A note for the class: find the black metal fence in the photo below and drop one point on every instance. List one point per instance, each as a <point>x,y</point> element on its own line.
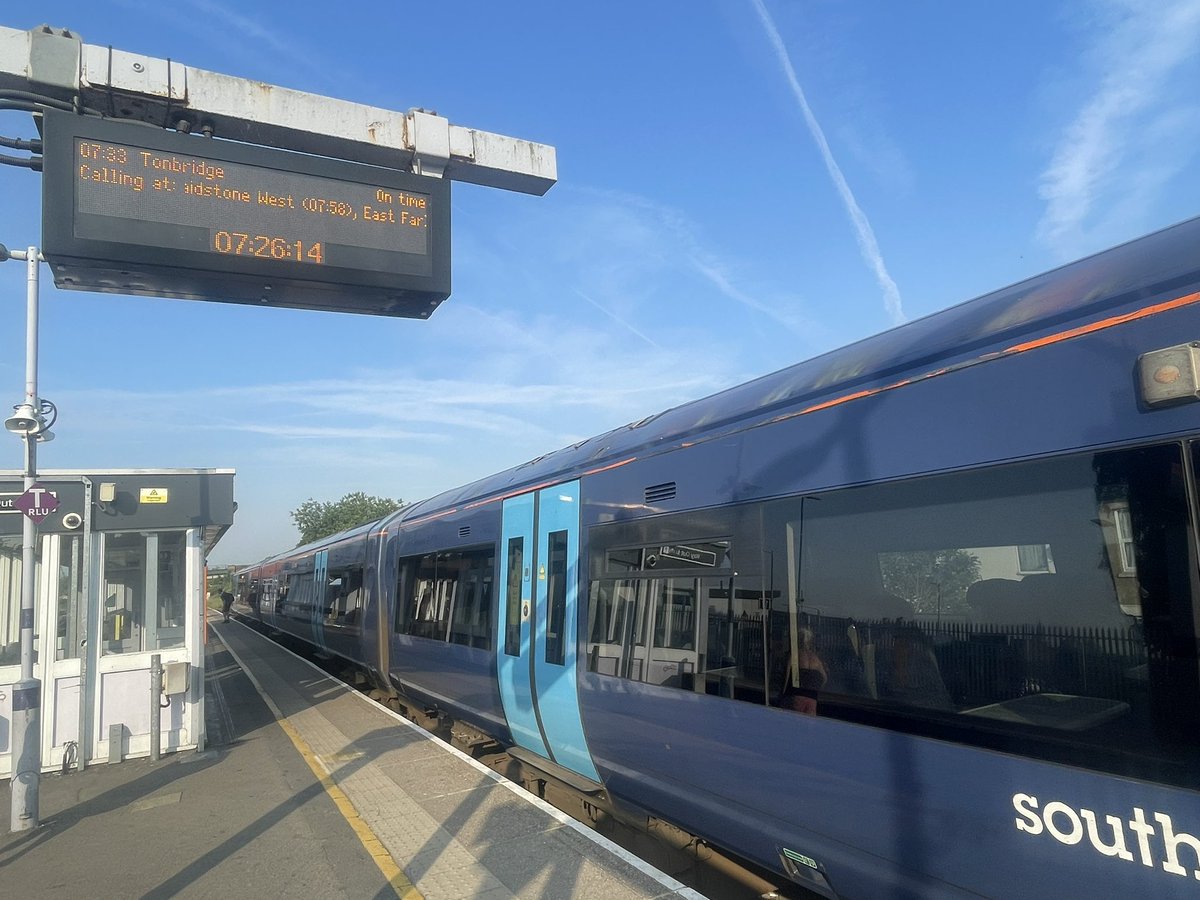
<point>946,664</point>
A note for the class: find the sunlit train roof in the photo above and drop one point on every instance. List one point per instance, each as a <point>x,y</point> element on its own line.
<point>1123,275</point>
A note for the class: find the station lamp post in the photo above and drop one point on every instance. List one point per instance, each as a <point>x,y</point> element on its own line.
<point>28,421</point>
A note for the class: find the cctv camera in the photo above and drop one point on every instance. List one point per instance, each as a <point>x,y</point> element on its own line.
<point>72,520</point>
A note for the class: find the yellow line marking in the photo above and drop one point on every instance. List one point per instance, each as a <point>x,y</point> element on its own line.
<point>395,876</point>
<point>393,873</point>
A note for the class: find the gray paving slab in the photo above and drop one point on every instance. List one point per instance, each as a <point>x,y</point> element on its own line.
<point>248,817</point>
<point>243,819</point>
<point>455,828</point>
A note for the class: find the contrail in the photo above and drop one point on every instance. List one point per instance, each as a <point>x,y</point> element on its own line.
<point>618,319</point>
<point>867,244</point>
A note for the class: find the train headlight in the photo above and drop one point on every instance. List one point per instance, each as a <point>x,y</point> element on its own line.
<point>1170,375</point>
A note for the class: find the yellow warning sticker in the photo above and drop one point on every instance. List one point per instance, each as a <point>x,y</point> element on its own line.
<point>153,495</point>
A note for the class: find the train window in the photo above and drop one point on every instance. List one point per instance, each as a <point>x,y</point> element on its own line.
<point>344,597</point>
<point>1040,607</point>
<point>675,615</point>
<point>614,614</point>
<point>556,598</point>
<point>673,621</point>
<point>1034,558</point>
<point>259,594</point>
<point>296,600</point>
<point>625,560</point>
<point>516,576</point>
<point>470,622</point>
<point>446,596</point>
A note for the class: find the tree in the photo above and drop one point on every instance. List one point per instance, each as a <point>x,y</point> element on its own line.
<point>317,520</point>
<point>933,581</point>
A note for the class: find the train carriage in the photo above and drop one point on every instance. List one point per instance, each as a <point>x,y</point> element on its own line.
<point>916,617</point>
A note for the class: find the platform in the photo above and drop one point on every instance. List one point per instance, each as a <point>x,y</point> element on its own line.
<point>307,788</point>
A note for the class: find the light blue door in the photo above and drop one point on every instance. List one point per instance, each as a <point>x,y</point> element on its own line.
<point>537,616</point>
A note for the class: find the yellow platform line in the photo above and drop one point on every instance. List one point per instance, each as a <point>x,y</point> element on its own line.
<point>395,876</point>
<point>383,859</point>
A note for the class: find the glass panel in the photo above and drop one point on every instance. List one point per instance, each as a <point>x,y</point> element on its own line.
<point>613,616</point>
<point>512,615</point>
<point>672,658</point>
<point>675,615</point>
<point>1034,558</point>
<point>627,560</point>
<point>556,598</point>
<point>124,592</point>
<point>735,649</point>
<point>10,601</point>
<point>1042,609</point>
<point>70,613</point>
<point>1049,600</point>
<point>344,598</point>
<point>470,624</point>
<point>448,596</point>
<point>665,627</point>
<point>171,593</point>
<point>296,598</point>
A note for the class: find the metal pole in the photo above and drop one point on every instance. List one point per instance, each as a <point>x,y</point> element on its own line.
<point>27,693</point>
<point>156,673</point>
<point>85,647</point>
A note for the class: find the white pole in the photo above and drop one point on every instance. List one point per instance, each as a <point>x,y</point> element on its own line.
<point>27,693</point>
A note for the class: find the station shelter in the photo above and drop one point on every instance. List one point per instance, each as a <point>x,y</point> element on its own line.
<point>120,578</point>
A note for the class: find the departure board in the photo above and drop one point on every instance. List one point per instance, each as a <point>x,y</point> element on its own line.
<point>133,209</point>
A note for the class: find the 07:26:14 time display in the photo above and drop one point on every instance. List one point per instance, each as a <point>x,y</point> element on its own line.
<point>267,246</point>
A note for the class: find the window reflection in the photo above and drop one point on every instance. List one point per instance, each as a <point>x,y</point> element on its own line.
<point>1042,601</point>
<point>70,613</point>
<point>144,591</point>
<point>447,596</point>
<point>10,600</point>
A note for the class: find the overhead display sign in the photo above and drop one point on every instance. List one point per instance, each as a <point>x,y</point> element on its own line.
<point>133,209</point>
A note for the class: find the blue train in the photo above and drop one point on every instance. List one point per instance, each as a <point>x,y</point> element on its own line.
<point>917,617</point>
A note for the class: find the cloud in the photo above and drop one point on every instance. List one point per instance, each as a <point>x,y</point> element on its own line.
<point>225,26</point>
<point>867,245</point>
<point>660,247</point>
<point>540,384</point>
<point>1135,62</point>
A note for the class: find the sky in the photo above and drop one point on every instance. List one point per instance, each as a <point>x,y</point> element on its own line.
<point>742,185</point>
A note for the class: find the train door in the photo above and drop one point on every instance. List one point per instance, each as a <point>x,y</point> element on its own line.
<point>320,590</point>
<point>537,615</point>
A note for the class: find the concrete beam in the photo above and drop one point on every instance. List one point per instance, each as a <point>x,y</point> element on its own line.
<point>172,95</point>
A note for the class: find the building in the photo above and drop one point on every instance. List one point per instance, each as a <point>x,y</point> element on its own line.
<point>120,577</point>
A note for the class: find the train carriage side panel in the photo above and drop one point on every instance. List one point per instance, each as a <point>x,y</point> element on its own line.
<point>899,785</point>
<point>441,646</point>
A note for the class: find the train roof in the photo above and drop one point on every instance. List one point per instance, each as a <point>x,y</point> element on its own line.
<point>1089,287</point>
<point>313,546</point>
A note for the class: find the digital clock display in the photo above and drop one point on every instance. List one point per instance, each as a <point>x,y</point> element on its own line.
<point>133,209</point>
